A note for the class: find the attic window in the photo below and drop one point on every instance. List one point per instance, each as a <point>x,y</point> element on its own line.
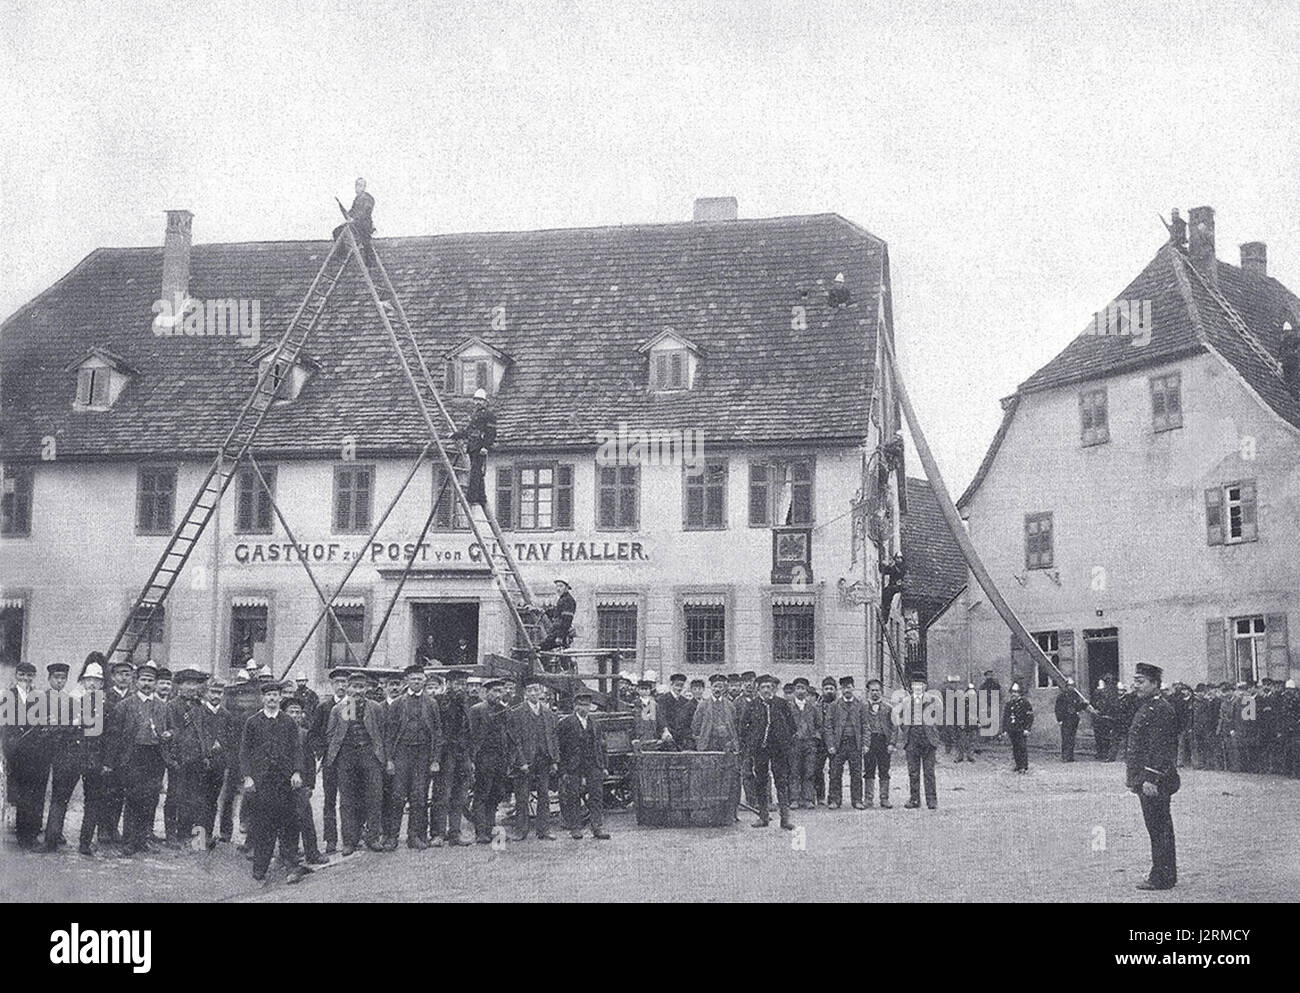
<point>284,379</point>
<point>93,387</point>
<point>669,370</point>
<point>473,374</point>
<point>475,365</point>
<point>101,377</point>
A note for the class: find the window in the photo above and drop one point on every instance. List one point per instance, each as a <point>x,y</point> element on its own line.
<point>780,493</point>
<point>475,374</point>
<point>248,635</point>
<point>618,497</point>
<point>253,503</point>
<point>1092,413</point>
<point>152,643</point>
<point>1230,513</point>
<point>1050,643</point>
<point>1167,402</point>
<point>155,500</point>
<point>1248,656</point>
<point>353,493</point>
<point>93,386</point>
<point>535,497</point>
<point>706,634</point>
<point>352,619</point>
<point>448,513</point>
<point>1038,541</point>
<point>706,496</point>
<point>669,370</point>
<point>16,504</point>
<point>616,626</point>
<point>793,625</point>
<point>11,633</point>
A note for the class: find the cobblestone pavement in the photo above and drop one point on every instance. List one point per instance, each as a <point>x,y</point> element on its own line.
<point>1060,833</point>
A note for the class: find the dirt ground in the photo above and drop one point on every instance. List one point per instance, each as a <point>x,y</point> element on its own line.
<point>1059,833</point>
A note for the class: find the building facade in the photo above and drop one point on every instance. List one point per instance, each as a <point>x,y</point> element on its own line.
<point>1142,498</point>
<point>670,442</point>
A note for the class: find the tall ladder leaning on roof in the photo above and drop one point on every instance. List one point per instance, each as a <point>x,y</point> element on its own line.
<point>506,577</point>
<point>234,449</point>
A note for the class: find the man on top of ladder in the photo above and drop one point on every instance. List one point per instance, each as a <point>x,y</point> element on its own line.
<point>479,435</point>
<point>360,217</point>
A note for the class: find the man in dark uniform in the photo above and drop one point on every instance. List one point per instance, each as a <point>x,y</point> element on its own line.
<point>1151,773</point>
<point>675,713</point>
<point>807,714</point>
<point>141,732</point>
<point>62,748</point>
<point>189,752</point>
<point>92,754</point>
<point>1017,719</point>
<point>825,702</point>
<point>316,734</point>
<point>881,738</point>
<point>561,618</point>
<point>309,697</point>
<point>270,755</point>
<point>490,751</point>
<point>361,218</point>
<point>920,742</point>
<point>355,747</point>
<point>479,435</point>
<point>845,736</point>
<point>534,754</point>
<point>1126,706</point>
<point>767,736</point>
<point>748,694</point>
<point>414,730</point>
<point>582,768</point>
<point>26,755</point>
<point>304,824</point>
<point>223,767</point>
<point>123,679</point>
<point>1104,705</point>
<point>1067,709</point>
<point>455,770</point>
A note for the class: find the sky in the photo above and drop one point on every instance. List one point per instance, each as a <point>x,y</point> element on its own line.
<point>1015,156</point>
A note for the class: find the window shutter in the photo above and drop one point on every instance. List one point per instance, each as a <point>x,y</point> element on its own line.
<point>1031,544</point>
<point>506,497</point>
<point>758,493</point>
<point>1065,644</point>
<point>1214,516</point>
<point>483,378</point>
<point>564,497</point>
<point>1276,646</point>
<point>659,372</point>
<point>1249,528</point>
<point>1216,651</point>
<point>1022,665</point>
<point>677,373</point>
<point>83,387</point>
<point>99,387</point>
<point>449,377</point>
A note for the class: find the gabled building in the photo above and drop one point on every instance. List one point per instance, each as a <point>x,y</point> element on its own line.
<point>1141,499</point>
<point>936,571</point>
<point>730,339</point>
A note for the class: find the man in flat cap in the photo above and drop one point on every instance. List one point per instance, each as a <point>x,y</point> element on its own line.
<point>60,741</point>
<point>675,714</point>
<point>830,693</point>
<point>317,727</point>
<point>355,747</point>
<point>490,750</point>
<point>1067,707</point>
<point>1017,720</point>
<point>189,753</point>
<point>270,756</point>
<point>713,728</point>
<point>223,769</point>
<point>920,742</point>
<point>881,738</point>
<point>141,733</point>
<point>646,725</point>
<point>767,736</point>
<point>534,754</point>
<point>304,825</point>
<point>122,674</point>
<point>807,715</point>
<point>27,759</point>
<point>414,731</point>
<point>560,617</point>
<point>456,768</point>
<point>1151,772</point>
<point>846,737</point>
<point>582,768</point>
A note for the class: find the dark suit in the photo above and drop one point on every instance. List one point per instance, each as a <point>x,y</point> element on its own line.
<point>920,742</point>
<point>223,769</point>
<point>676,714</point>
<point>64,746</point>
<point>479,435</point>
<point>1067,709</point>
<point>27,755</point>
<point>1017,719</point>
<point>1151,757</point>
<point>582,772</point>
<point>456,770</point>
<point>357,753</point>
<point>114,786</point>
<point>414,734</point>
<point>270,752</point>
<point>190,754</point>
<point>881,735</point>
<point>767,735</point>
<point>317,730</point>
<point>846,737</point>
<point>534,749</point>
<point>490,751</point>
<point>561,621</point>
<point>807,744</point>
<point>139,760</point>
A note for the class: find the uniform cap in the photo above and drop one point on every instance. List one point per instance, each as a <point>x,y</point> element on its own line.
<point>25,669</point>
<point>93,670</point>
<point>55,668</point>
<point>480,394</point>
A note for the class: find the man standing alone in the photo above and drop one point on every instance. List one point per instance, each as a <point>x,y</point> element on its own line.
<point>1150,772</point>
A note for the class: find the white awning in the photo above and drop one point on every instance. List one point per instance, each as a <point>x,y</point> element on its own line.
<point>250,601</point>
<point>794,599</point>
<point>349,601</point>
<point>11,603</point>
<point>705,599</point>
<point>618,600</point>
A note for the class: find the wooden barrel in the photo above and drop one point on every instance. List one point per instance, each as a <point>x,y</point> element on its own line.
<point>686,789</point>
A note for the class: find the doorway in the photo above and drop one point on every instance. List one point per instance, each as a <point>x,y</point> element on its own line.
<point>446,633</point>
<point>1101,655</point>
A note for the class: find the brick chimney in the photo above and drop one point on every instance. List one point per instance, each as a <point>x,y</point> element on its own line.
<point>1254,259</point>
<point>1201,242</point>
<point>715,209</point>
<point>176,254</point>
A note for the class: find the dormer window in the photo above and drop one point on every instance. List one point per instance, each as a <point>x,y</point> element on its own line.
<point>284,379</point>
<point>101,377</point>
<point>475,365</point>
<point>674,362</point>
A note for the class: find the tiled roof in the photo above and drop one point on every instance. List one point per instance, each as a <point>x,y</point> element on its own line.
<point>1186,318</point>
<point>936,570</point>
<point>578,304</point>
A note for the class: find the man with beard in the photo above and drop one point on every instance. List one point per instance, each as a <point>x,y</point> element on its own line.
<point>534,754</point>
<point>1067,708</point>
<point>582,769</point>
<point>881,737</point>
<point>92,755</point>
<point>1018,719</point>
<point>355,747</point>
<point>824,703</point>
<point>490,750</point>
<point>414,730</point>
<point>845,736</point>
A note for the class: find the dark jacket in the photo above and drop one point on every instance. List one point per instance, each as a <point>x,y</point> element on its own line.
<point>318,726</point>
<point>337,730</point>
<point>807,722</point>
<point>581,752</point>
<point>675,713</point>
<point>1067,707</point>
<point>192,733</point>
<point>1153,747</point>
<point>271,747</point>
<point>134,716</point>
<point>481,430</point>
<point>1018,715</point>
<point>527,734</point>
<point>846,719</point>
<point>453,712</point>
<point>920,737</point>
<point>362,211</point>
<point>487,733</point>
<point>226,733</point>
<point>780,730</point>
<point>881,721</point>
<point>408,711</point>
